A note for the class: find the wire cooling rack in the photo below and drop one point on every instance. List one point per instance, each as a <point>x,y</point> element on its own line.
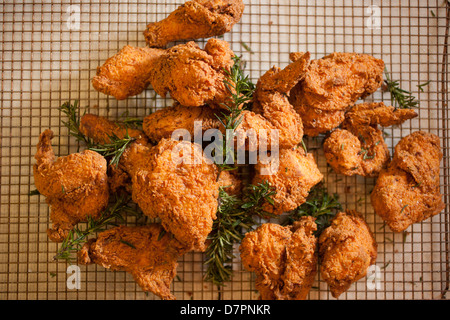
<point>50,51</point>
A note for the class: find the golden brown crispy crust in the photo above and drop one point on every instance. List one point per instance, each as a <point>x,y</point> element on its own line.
<point>100,129</point>
<point>408,191</point>
<point>334,83</point>
<point>183,195</point>
<point>346,249</point>
<point>193,20</point>
<point>230,182</point>
<point>272,109</point>
<point>283,258</point>
<point>146,252</point>
<point>75,186</point>
<point>163,122</point>
<point>294,174</point>
<point>126,73</point>
<point>193,77</point>
<point>359,147</point>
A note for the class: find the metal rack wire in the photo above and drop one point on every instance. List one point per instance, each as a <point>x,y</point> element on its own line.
<point>50,51</point>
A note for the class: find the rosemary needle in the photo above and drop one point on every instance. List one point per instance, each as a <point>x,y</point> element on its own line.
<point>235,215</point>
<point>400,98</point>
<point>114,149</point>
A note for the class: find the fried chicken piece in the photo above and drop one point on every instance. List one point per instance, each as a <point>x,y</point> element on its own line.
<point>163,122</point>
<point>292,175</point>
<point>75,186</point>
<point>283,258</point>
<point>175,182</point>
<point>333,84</point>
<point>346,249</point>
<point>272,110</point>
<point>359,147</point>
<point>126,73</point>
<point>193,77</point>
<point>193,20</point>
<point>100,129</point>
<point>147,252</point>
<point>230,182</point>
<point>408,191</point>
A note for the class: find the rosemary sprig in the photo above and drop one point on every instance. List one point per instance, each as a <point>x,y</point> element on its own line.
<point>114,149</point>
<point>400,98</point>
<point>77,237</point>
<point>73,122</point>
<point>319,205</point>
<point>234,216</point>
<point>241,91</point>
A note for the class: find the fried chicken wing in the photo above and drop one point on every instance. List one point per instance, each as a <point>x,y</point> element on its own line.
<point>175,182</point>
<point>163,122</point>
<point>193,20</point>
<point>346,249</point>
<point>292,175</point>
<point>408,190</point>
<point>272,110</point>
<point>127,73</point>
<point>75,186</point>
<point>332,84</point>
<point>359,147</point>
<point>147,252</point>
<point>283,258</point>
<point>193,77</point>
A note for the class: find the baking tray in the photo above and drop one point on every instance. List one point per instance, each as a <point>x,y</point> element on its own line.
<point>50,51</point>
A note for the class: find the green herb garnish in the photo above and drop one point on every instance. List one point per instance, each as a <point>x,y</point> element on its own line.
<point>235,216</point>
<point>319,205</point>
<point>400,98</point>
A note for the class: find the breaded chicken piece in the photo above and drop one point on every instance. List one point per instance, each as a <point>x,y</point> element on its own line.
<point>346,249</point>
<point>75,186</point>
<point>126,73</point>
<point>334,83</point>
<point>147,252</point>
<point>101,129</point>
<point>292,175</point>
<point>283,258</point>
<point>193,77</point>
<point>230,182</point>
<point>272,111</point>
<point>163,122</point>
<point>359,147</point>
<point>408,191</point>
<point>175,182</point>
<point>193,20</point>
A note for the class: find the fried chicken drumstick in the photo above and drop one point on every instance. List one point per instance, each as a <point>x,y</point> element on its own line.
<point>408,190</point>
<point>192,76</point>
<point>146,252</point>
<point>127,73</point>
<point>75,186</point>
<point>193,20</point>
<point>283,258</point>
